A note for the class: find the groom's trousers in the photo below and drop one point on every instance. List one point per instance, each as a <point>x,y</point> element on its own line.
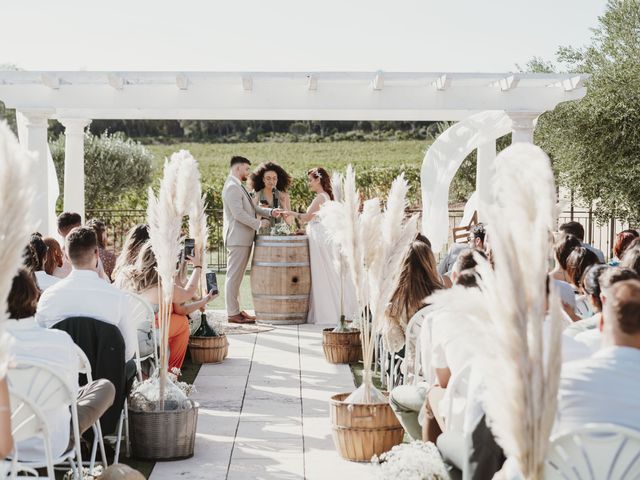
<point>237,260</point>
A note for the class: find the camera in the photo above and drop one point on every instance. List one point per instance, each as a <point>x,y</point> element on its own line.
<point>212,283</point>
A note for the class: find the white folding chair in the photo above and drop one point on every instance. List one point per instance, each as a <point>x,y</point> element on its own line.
<point>85,368</point>
<point>141,314</point>
<point>595,451</point>
<point>410,367</point>
<point>33,387</point>
<point>457,390</point>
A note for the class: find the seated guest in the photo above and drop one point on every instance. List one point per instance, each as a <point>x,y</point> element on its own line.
<point>407,400</point>
<point>136,238</point>
<point>591,337</point>
<point>270,183</point>
<point>35,259</point>
<point>579,261</point>
<point>67,221</point>
<point>55,349</point>
<point>561,280</point>
<point>623,240</point>
<point>631,258</point>
<point>54,258</point>
<point>576,229</point>
<point>143,279</point>
<point>107,257</point>
<point>417,280</point>
<point>592,288</point>
<point>84,294</point>
<point>605,388</point>
<point>476,242</point>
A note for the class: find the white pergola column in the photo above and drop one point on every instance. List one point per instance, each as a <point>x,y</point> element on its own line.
<point>36,125</point>
<point>523,125</point>
<point>74,164</point>
<point>484,172</point>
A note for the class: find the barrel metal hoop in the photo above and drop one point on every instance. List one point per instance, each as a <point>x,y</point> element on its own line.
<point>280,297</point>
<point>278,264</point>
<point>283,244</point>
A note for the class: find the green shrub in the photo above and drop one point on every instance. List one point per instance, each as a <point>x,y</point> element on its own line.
<point>117,170</point>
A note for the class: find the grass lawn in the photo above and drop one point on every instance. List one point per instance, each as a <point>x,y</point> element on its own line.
<point>246,302</point>
<point>297,158</point>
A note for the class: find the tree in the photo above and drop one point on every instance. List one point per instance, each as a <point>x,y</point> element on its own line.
<point>595,142</point>
<point>114,166</point>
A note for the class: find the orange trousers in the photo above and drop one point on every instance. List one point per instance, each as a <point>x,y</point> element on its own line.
<point>178,339</point>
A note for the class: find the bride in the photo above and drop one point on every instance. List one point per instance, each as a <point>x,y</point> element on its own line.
<point>324,305</point>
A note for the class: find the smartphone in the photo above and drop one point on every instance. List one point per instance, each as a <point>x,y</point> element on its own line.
<point>189,247</point>
<point>212,282</point>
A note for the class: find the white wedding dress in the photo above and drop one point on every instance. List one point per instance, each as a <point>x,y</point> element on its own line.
<point>324,302</point>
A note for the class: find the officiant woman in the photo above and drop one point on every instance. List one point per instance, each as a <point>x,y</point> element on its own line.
<point>270,183</point>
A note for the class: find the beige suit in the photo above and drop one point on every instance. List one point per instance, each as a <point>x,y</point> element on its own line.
<point>240,223</point>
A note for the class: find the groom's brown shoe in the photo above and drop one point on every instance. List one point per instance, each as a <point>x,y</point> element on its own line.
<point>239,319</point>
<point>248,316</point>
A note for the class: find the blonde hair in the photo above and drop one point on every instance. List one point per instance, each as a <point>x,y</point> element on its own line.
<point>136,238</point>
<point>143,274</point>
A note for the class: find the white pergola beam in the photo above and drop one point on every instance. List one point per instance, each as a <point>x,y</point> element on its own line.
<point>378,82</point>
<point>51,81</point>
<point>285,95</point>
<point>182,81</point>
<point>507,83</point>
<point>312,83</point>
<point>116,81</point>
<point>442,82</point>
<point>247,83</point>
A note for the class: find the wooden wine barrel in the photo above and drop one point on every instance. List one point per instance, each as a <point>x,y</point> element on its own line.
<point>281,279</point>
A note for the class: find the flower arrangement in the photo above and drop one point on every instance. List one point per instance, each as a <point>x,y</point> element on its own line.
<point>281,229</point>
<point>411,461</point>
<point>145,395</point>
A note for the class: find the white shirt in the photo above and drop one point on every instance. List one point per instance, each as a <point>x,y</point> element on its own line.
<point>56,349</point>
<point>604,388</point>
<point>45,280</point>
<point>591,339</point>
<point>566,293</point>
<point>84,294</point>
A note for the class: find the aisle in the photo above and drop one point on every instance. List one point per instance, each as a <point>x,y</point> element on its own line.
<point>264,412</point>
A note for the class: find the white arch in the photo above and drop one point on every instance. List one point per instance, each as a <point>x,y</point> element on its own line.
<point>442,161</point>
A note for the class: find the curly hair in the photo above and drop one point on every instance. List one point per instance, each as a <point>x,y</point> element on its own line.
<point>257,177</point>
<point>54,256</point>
<point>325,180</point>
<point>24,295</point>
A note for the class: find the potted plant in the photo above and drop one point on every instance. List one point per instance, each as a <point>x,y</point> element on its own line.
<point>162,419</point>
<point>208,344</point>
<point>373,244</point>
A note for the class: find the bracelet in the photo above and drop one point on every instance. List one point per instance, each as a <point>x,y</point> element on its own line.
<point>197,266</point>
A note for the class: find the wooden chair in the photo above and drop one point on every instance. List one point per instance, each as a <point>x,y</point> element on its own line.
<point>461,234</point>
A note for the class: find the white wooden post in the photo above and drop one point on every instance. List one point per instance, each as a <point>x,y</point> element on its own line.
<point>523,125</point>
<point>74,164</point>
<point>484,172</point>
<point>36,123</point>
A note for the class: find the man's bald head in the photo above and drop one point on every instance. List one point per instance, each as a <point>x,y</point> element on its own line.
<point>621,312</point>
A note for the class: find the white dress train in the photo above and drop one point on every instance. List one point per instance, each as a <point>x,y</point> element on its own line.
<point>324,302</point>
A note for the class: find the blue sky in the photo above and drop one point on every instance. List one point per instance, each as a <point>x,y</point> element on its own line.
<point>296,35</point>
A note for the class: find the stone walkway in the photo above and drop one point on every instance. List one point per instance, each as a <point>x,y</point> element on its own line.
<point>264,412</point>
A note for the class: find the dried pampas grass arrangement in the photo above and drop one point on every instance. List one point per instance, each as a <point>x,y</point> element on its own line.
<point>165,223</point>
<point>16,198</point>
<point>373,244</point>
<point>521,385</point>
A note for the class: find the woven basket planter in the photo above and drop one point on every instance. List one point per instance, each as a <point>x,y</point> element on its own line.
<point>362,431</point>
<point>168,435</point>
<point>208,349</point>
<point>341,347</point>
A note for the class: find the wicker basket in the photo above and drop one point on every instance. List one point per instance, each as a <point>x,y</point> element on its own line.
<point>208,349</point>
<point>362,431</point>
<point>168,435</point>
<point>341,347</point>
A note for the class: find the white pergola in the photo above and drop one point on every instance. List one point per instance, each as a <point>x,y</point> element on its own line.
<point>76,98</point>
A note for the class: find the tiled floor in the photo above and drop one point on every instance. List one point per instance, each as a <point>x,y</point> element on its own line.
<point>264,412</point>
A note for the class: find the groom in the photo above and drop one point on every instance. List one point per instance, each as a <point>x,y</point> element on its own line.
<point>239,228</point>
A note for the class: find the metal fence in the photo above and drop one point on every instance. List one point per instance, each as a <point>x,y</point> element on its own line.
<point>119,222</point>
